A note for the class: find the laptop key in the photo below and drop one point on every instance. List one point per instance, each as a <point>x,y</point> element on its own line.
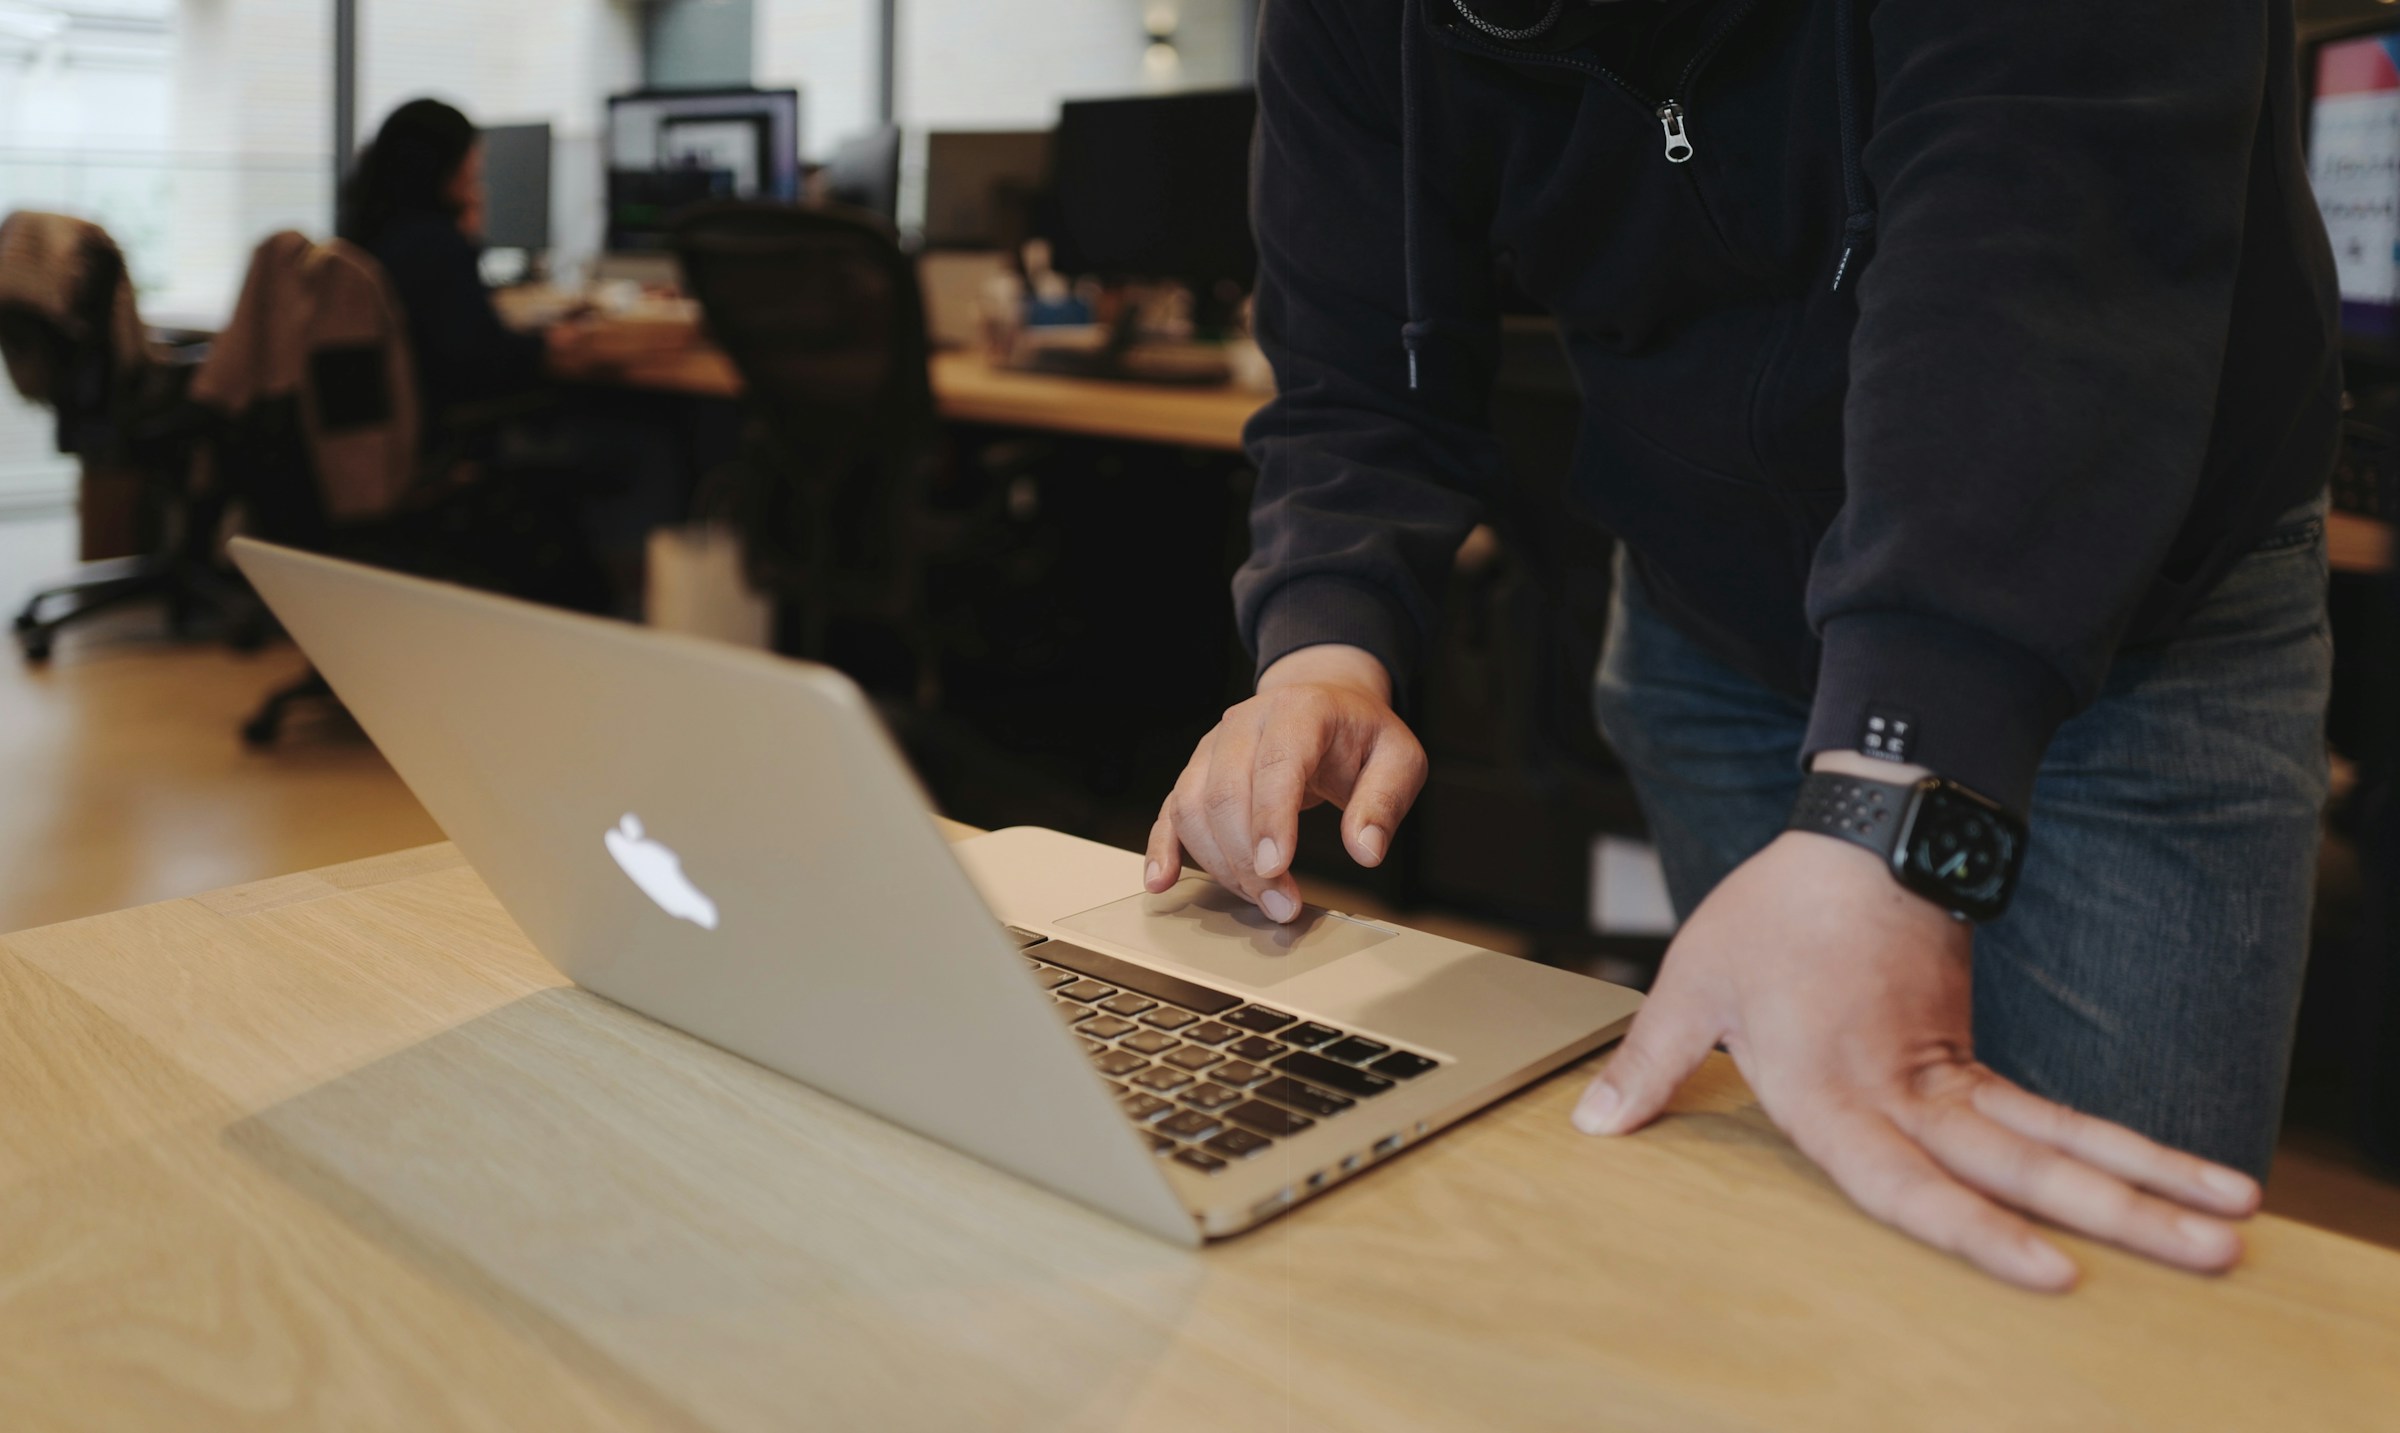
<point>1052,979</point>
<point>1159,1143</point>
<point>1210,1097</point>
<point>1105,1027</point>
<point>1188,1124</point>
<point>1167,1017</point>
<point>1268,1119</point>
<point>1257,1049</point>
<point>1310,1035</point>
<point>1148,1042</point>
<point>1259,1018</point>
<point>1118,1062</point>
<point>1088,991</point>
<point>1093,1047</point>
<point>1403,1065</point>
<point>1332,1074</point>
<point>1356,1050</point>
<point>1284,1090</point>
<point>1156,984</point>
<point>1211,1033</point>
<point>1194,1057</point>
<point>1139,1106</point>
<point>1234,1072</point>
<point>1204,1162</point>
<point>1127,1003</point>
<point>1239,1143</point>
<point>1160,1079</point>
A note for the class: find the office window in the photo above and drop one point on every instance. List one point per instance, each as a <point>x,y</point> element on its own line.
<point>188,129</point>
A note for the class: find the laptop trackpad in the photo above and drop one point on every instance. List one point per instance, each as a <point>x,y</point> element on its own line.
<point>1201,924</point>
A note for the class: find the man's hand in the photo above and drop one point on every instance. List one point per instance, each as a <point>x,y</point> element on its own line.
<point>1320,729</point>
<point>1844,1000</point>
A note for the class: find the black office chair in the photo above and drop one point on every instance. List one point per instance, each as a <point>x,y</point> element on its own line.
<point>124,416</point>
<point>819,311</point>
<point>468,517</point>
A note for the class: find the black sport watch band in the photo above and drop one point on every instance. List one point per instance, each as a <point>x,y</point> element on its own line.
<point>1939,839</point>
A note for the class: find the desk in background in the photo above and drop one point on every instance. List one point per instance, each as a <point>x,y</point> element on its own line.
<point>969,389</point>
<point>338,1149</point>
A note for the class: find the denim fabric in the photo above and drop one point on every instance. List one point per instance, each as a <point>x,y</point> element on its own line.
<point>2149,968</point>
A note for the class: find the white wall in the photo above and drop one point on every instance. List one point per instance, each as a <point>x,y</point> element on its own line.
<point>983,64</point>
<point>827,48</point>
<point>515,62</point>
<point>252,101</point>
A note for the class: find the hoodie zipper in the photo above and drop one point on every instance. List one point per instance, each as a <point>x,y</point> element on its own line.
<point>1671,113</point>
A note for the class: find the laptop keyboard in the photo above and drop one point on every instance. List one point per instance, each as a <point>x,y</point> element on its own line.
<point>1209,1078</point>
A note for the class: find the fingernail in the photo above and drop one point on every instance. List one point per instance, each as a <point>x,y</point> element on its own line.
<point>1596,1113</point>
<point>2229,1185</point>
<point>1370,840</point>
<point>1266,855</point>
<point>2044,1265</point>
<point>1278,906</point>
<point>1150,874</point>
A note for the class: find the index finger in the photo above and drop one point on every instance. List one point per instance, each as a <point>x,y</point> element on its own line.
<point>1282,765</point>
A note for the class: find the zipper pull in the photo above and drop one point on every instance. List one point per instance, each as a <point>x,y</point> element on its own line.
<point>1679,144</point>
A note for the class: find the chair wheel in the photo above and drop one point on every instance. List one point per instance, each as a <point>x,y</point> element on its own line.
<point>26,621</point>
<point>36,644</point>
<point>261,730</point>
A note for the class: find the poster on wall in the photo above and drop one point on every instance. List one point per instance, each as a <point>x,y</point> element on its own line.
<point>2354,166</point>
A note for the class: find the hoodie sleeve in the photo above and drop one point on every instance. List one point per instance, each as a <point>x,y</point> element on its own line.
<point>1365,485</point>
<point>2033,375</point>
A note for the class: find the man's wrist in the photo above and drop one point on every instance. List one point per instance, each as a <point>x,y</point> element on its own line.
<point>1330,664</point>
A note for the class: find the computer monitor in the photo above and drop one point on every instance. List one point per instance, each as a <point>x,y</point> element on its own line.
<point>1156,188</point>
<point>2354,167</point>
<point>670,149</point>
<point>516,187</point>
<point>864,172</point>
<point>982,187</point>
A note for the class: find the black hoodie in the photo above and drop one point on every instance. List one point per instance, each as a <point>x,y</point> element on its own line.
<point>1968,344</point>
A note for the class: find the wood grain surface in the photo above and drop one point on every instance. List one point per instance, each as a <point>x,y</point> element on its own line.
<point>339,1150</point>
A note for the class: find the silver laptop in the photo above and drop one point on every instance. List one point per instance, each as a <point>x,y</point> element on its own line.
<point>728,842</point>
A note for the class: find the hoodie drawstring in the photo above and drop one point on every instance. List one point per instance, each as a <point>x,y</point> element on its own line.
<point>1412,332</point>
<point>1858,224</point>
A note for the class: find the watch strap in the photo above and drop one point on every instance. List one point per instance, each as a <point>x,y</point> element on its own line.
<point>1864,813</point>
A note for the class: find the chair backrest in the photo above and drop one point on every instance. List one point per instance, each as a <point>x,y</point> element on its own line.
<point>820,313</point>
<point>317,353</point>
<point>69,331</point>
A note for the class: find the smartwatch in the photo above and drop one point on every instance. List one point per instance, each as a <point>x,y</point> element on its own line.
<point>1959,850</point>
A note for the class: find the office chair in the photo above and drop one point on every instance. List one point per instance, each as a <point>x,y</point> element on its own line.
<point>819,311</point>
<point>438,508</point>
<point>116,404</point>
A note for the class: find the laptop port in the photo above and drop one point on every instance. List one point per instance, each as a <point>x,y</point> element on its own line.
<point>1349,1163</point>
<point>1386,1145</point>
<point>1317,1180</point>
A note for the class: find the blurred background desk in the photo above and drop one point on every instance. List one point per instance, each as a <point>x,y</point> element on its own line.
<point>970,389</point>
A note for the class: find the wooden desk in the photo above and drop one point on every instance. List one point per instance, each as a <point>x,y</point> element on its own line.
<point>968,389</point>
<point>338,1150</point>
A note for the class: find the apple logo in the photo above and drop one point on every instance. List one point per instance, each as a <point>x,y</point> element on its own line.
<point>659,872</point>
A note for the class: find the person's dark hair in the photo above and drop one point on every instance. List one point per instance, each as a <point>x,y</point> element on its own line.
<point>406,170</point>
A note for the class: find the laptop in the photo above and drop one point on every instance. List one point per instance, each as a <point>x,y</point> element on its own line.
<point>728,842</point>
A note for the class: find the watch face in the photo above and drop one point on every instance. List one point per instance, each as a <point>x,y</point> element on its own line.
<point>1962,851</point>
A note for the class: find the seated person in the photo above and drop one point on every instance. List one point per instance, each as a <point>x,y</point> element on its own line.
<point>416,202</point>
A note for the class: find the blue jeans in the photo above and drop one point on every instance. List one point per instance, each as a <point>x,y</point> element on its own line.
<point>2149,969</point>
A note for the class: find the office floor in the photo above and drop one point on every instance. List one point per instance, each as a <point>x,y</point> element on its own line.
<point>122,781</point>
